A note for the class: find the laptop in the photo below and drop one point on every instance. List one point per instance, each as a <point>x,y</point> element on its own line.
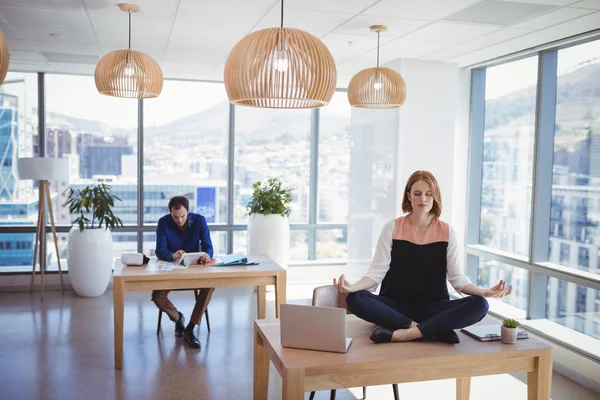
<point>314,328</point>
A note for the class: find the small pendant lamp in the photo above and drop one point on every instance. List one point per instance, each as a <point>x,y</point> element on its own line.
<point>4,57</point>
<point>280,68</point>
<point>128,73</point>
<point>377,87</point>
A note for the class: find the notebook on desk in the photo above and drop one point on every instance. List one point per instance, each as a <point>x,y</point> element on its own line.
<point>488,333</point>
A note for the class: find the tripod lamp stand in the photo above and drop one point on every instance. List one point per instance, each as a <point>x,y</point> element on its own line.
<point>44,169</point>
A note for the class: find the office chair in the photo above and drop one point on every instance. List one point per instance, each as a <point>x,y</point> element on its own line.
<point>329,296</point>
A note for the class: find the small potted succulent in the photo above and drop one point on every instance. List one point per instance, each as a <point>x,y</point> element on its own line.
<point>508,333</point>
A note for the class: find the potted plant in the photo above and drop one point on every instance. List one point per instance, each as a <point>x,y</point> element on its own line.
<point>268,227</point>
<point>508,333</point>
<point>90,245</point>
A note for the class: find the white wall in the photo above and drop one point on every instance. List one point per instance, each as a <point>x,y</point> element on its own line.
<point>427,125</point>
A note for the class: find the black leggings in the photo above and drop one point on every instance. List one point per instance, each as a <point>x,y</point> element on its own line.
<point>432,318</point>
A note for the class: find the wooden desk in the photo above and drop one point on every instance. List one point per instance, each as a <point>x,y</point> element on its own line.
<point>137,278</point>
<point>367,363</point>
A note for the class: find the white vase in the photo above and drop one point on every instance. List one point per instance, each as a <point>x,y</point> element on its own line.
<point>508,335</point>
<point>90,260</point>
<point>269,235</point>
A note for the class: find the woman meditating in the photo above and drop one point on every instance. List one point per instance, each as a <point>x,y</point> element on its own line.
<point>415,255</point>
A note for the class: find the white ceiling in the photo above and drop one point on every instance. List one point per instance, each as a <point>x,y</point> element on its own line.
<point>192,38</point>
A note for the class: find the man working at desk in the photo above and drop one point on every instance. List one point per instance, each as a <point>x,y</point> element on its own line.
<point>177,233</point>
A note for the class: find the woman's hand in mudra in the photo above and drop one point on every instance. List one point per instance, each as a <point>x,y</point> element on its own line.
<point>499,290</point>
<point>343,285</point>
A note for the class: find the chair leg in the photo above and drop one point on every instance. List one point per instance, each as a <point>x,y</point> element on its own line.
<point>364,392</point>
<point>207,320</point>
<point>312,395</point>
<point>396,395</point>
<point>159,320</point>
<point>332,397</point>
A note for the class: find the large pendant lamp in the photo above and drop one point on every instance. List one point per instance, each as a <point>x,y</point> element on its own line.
<point>280,68</point>
<point>377,87</point>
<point>3,58</point>
<point>128,73</point>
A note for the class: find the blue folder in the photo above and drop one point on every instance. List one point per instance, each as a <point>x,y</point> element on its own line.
<point>235,259</point>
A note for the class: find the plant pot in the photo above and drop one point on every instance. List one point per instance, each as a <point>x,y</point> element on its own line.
<point>90,260</point>
<point>508,335</point>
<point>269,235</point>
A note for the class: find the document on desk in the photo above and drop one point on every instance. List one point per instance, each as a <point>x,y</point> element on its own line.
<point>161,265</point>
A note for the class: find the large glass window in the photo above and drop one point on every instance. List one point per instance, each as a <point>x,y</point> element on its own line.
<point>272,143</point>
<point>18,138</point>
<point>185,149</point>
<point>510,99</point>
<point>491,272</point>
<point>575,215</point>
<point>574,306</point>
<point>98,135</point>
<point>334,160</point>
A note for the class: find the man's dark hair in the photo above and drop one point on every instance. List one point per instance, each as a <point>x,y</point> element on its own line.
<point>178,202</point>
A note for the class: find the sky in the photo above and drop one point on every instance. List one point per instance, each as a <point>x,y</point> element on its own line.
<point>77,96</point>
<point>507,78</point>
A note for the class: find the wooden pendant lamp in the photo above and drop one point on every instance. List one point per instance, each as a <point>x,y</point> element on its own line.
<point>280,68</point>
<point>128,73</point>
<point>377,87</point>
<point>4,57</point>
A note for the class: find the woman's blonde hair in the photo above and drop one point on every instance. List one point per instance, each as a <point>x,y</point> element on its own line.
<point>429,179</point>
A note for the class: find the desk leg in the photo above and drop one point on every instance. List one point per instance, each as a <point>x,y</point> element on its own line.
<point>463,388</point>
<point>280,287</point>
<point>119,309</point>
<point>261,301</point>
<point>293,384</point>
<point>539,380</point>
<point>261,368</point>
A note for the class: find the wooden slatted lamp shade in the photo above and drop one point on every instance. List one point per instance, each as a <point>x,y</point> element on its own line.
<point>377,87</point>
<point>4,57</point>
<point>128,73</point>
<point>280,68</point>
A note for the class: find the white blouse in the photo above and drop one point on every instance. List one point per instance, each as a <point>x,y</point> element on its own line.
<point>383,256</point>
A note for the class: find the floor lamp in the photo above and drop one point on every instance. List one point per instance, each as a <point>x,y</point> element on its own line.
<point>44,169</point>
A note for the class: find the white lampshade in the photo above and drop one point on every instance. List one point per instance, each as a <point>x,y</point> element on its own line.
<point>43,169</point>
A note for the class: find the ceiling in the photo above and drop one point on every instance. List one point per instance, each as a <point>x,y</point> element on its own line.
<point>192,38</point>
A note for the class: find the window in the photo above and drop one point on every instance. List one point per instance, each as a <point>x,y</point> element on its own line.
<point>576,169</point>
<point>334,160</point>
<point>565,250</point>
<point>186,132</point>
<point>98,135</point>
<point>510,100</point>
<point>583,258</point>
<point>573,306</point>
<point>298,244</point>
<point>18,138</point>
<point>331,244</point>
<point>491,272</point>
<point>272,143</point>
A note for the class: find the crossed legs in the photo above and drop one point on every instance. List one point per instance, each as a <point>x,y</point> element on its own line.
<point>404,321</point>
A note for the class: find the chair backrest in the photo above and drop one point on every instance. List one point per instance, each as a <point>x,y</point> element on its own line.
<point>329,296</point>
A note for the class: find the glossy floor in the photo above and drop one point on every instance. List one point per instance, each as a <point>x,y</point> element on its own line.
<point>63,349</point>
